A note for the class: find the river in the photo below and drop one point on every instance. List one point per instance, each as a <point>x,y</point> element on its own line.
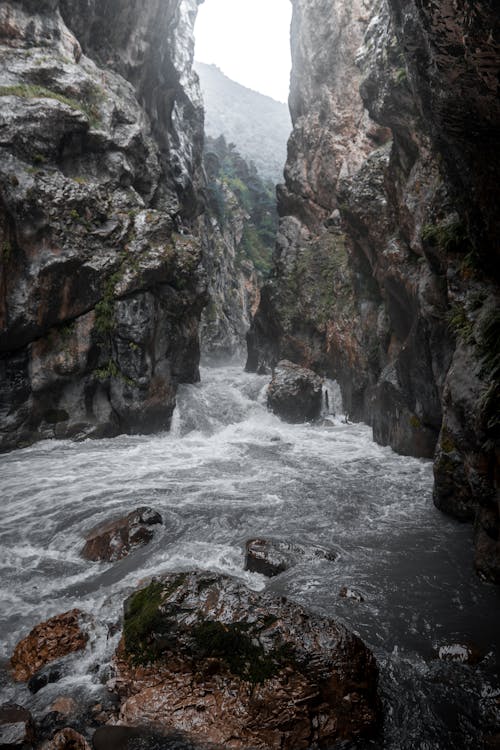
<point>230,471</point>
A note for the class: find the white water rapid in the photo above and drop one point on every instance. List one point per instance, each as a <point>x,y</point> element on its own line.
<point>230,471</point>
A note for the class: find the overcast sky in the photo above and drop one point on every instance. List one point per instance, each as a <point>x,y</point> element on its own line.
<point>249,41</point>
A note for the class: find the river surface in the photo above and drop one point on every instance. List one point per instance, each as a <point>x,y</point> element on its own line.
<point>230,471</point>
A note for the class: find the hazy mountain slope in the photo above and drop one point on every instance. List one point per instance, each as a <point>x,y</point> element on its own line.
<point>258,125</point>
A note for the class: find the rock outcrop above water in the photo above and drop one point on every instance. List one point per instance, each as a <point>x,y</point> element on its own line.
<point>203,654</point>
<point>386,267</point>
<point>295,393</point>
<point>61,635</point>
<point>101,287</point>
<point>114,540</point>
<point>270,557</point>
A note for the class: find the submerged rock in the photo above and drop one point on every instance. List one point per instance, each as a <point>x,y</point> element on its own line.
<point>114,540</point>
<point>347,593</point>
<point>464,653</point>
<point>57,637</point>
<point>43,678</point>
<point>295,393</point>
<point>203,654</point>
<point>269,557</point>
<point>16,727</point>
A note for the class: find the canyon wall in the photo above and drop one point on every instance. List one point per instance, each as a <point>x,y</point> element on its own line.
<point>101,282</point>
<point>385,267</point>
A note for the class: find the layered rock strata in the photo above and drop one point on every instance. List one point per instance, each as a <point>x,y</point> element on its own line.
<point>385,271</point>
<point>100,156</point>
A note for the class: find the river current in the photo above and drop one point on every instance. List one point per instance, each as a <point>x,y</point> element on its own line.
<point>229,471</point>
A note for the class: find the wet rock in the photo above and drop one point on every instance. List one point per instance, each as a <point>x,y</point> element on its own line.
<point>51,640</point>
<point>347,593</point>
<point>463,653</point>
<point>17,731</point>
<point>203,654</point>
<point>43,678</point>
<point>270,557</point>
<point>100,297</point>
<point>295,393</point>
<point>141,738</point>
<point>65,705</point>
<point>67,739</point>
<point>114,540</point>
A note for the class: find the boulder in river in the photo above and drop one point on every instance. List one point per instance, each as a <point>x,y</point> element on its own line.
<point>17,729</point>
<point>68,739</point>
<point>113,540</point>
<point>269,557</point>
<point>51,640</point>
<point>295,393</point>
<point>347,593</point>
<point>204,655</point>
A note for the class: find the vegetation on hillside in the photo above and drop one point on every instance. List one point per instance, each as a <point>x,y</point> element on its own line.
<point>258,125</point>
<point>231,178</point>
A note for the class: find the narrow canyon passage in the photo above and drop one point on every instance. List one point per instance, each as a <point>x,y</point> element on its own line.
<point>230,471</point>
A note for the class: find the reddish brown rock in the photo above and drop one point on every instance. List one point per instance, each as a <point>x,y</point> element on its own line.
<point>204,655</point>
<point>113,540</point>
<point>53,639</point>
<point>67,739</point>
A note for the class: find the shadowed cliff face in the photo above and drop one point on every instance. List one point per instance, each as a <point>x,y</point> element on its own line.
<point>100,287</point>
<point>389,232</point>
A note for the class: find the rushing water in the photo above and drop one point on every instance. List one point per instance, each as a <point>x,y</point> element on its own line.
<point>230,471</point>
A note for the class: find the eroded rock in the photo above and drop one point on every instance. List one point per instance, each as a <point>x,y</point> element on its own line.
<point>67,739</point>
<point>203,654</point>
<point>17,731</point>
<point>269,557</point>
<point>114,540</point>
<point>295,393</point>
<point>57,637</point>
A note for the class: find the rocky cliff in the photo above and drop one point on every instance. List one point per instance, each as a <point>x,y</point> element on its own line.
<point>240,229</point>
<point>385,268</point>
<point>101,130</point>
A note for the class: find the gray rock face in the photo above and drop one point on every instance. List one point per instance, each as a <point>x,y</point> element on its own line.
<point>270,557</point>
<point>295,393</point>
<point>100,282</point>
<point>17,729</point>
<point>385,274</point>
<point>203,654</point>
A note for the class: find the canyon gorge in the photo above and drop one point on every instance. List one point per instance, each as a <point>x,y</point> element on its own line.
<point>132,244</point>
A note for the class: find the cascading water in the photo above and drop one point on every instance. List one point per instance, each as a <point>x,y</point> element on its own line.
<point>229,471</point>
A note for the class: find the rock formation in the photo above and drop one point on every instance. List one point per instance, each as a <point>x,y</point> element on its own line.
<point>385,275</point>
<point>114,540</point>
<point>203,654</point>
<point>100,165</point>
<point>48,641</point>
<point>239,233</point>
<point>295,393</point>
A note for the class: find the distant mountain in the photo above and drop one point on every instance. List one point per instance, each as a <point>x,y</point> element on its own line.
<point>258,125</point>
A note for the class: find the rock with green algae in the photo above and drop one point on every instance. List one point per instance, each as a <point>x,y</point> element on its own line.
<point>204,655</point>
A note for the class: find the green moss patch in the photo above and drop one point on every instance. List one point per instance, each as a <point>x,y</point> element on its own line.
<point>30,91</point>
<point>146,628</point>
<point>244,656</point>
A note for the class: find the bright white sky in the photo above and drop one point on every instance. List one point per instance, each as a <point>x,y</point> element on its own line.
<point>249,40</point>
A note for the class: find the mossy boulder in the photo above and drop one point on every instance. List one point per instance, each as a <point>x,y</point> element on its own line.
<point>204,655</point>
